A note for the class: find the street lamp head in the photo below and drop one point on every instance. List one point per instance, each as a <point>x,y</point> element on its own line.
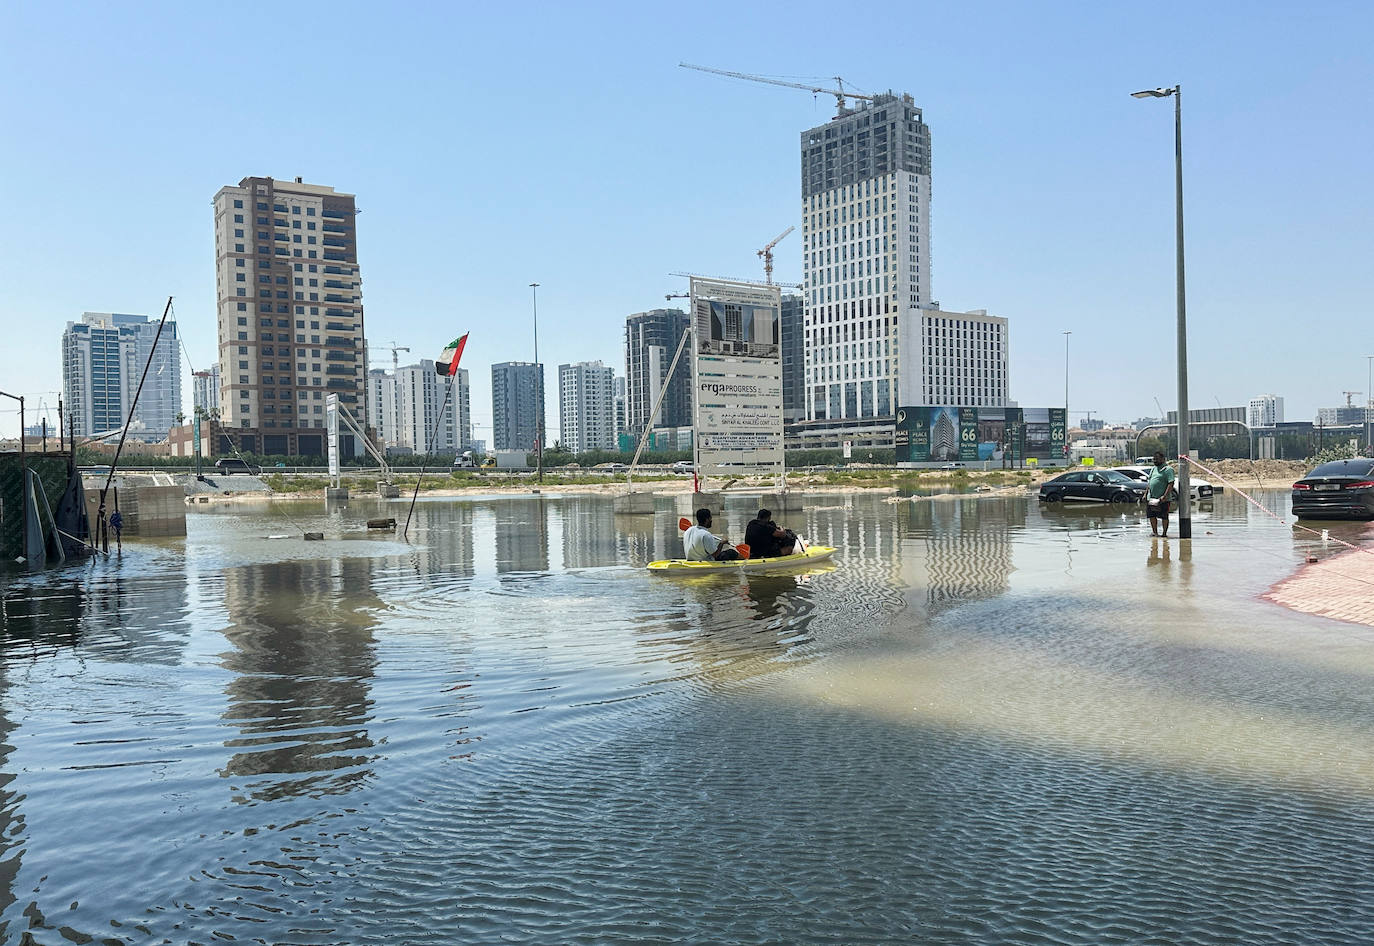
<point>1153,93</point>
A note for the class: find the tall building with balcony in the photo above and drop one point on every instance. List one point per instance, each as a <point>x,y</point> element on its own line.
<point>205,390</point>
<point>651,340</point>
<point>103,360</point>
<point>1265,410</point>
<point>621,425</point>
<point>517,404</point>
<point>793,358</point>
<point>424,422</point>
<point>290,308</point>
<point>586,406</point>
<point>381,406</point>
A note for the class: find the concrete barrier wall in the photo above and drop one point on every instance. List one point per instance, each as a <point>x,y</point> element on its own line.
<point>147,510</point>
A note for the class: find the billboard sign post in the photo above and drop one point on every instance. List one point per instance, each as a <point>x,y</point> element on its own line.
<point>331,412</point>
<point>736,378</point>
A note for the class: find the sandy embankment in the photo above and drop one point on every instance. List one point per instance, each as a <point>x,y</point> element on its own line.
<point>1245,474</point>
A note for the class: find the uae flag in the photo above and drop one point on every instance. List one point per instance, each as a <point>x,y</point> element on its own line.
<point>447,363</point>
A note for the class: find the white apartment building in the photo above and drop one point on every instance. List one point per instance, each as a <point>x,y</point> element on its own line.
<point>420,397</point>
<point>381,406</point>
<point>1265,411</point>
<point>205,390</point>
<point>586,406</point>
<point>290,313</point>
<point>103,359</point>
<point>621,404</point>
<point>962,358</point>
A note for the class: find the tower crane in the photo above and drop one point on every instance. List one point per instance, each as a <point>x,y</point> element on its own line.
<point>839,93</point>
<point>1349,395</point>
<point>766,254</point>
<point>670,296</point>
<point>784,285</point>
<point>396,358</point>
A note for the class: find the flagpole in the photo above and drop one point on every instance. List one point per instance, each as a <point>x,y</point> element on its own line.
<point>432,434</point>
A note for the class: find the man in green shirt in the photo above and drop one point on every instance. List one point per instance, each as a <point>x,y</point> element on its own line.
<point>1161,491</point>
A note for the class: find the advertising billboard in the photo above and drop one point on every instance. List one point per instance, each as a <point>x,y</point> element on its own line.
<point>1004,435</point>
<point>736,377</point>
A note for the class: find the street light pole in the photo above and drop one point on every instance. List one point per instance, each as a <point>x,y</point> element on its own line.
<point>1369,408</point>
<point>23,470</point>
<point>1185,512</point>
<point>538,394</point>
<point>1066,386</point>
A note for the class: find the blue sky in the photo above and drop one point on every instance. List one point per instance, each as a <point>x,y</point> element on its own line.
<point>491,146</point>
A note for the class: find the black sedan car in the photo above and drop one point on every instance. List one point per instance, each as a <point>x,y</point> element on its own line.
<point>231,465</point>
<point>1341,489</point>
<point>1092,486</point>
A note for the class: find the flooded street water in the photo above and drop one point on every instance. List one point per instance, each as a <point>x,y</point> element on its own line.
<point>986,722</point>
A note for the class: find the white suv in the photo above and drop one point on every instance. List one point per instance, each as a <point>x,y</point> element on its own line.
<point>1197,488</point>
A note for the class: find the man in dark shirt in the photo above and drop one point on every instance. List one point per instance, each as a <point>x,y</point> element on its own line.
<point>765,539</point>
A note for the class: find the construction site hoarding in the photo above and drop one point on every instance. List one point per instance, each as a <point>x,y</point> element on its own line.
<point>1011,435</point>
<point>736,377</point>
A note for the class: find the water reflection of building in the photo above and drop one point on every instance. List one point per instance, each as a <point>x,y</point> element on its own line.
<point>447,546</point>
<point>867,540</point>
<point>960,549</point>
<point>304,660</point>
<point>634,536</point>
<point>589,532</point>
<point>522,535</point>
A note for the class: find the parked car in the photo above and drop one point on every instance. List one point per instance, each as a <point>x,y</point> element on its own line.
<point>1197,488</point>
<point>683,466</point>
<point>230,465</point>
<point>1092,486</point>
<point>1341,489</point>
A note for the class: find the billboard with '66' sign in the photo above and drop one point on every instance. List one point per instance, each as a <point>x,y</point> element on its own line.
<point>736,377</point>
<point>1007,435</point>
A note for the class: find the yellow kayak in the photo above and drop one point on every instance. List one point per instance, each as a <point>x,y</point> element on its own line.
<point>680,566</point>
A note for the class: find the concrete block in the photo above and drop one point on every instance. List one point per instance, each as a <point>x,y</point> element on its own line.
<point>154,510</point>
<point>336,494</point>
<point>634,504</point>
<point>712,501</point>
<point>785,501</point>
<point>388,490</point>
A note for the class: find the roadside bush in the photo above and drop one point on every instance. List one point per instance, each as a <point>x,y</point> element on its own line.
<point>1340,451</point>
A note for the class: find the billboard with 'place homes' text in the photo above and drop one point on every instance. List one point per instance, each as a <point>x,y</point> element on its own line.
<point>1010,435</point>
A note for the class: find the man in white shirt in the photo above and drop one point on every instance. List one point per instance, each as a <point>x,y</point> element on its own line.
<point>699,545</point>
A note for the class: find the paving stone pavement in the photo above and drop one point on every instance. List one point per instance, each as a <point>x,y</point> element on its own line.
<point>1339,587</point>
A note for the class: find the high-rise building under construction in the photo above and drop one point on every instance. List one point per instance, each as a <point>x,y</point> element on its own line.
<point>874,339</point>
